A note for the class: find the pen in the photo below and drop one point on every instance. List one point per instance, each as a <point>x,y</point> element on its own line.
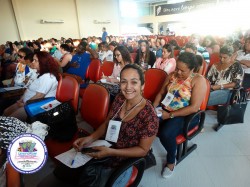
<point>72,162</point>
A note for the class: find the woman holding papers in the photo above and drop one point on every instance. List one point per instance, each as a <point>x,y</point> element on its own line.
<point>131,126</point>
<point>44,86</point>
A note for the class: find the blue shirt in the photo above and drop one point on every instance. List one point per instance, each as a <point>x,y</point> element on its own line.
<point>83,61</point>
<point>104,34</point>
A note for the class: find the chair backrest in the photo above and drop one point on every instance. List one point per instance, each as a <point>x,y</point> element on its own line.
<point>93,71</point>
<point>13,177</point>
<point>95,105</point>
<point>205,100</point>
<point>214,58</point>
<point>154,79</point>
<point>68,89</point>
<point>204,68</point>
<point>133,56</point>
<point>107,68</point>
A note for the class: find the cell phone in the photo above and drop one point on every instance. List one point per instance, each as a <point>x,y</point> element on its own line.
<point>88,150</point>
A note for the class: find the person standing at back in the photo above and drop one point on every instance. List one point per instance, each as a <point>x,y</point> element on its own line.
<point>104,34</point>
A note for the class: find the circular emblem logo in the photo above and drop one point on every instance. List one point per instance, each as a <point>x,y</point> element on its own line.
<point>27,153</point>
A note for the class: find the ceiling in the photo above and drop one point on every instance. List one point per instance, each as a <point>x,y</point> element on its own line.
<point>159,1</point>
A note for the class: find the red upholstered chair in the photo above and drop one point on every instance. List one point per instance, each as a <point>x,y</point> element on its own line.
<point>13,177</point>
<point>154,79</point>
<point>107,68</point>
<point>94,110</point>
<point>68,89</point>
<point>95,105</point>
<point>133,56</point>
<point>204,68</point>
<point>214,58</point>
<point>92,74</point>
<point>182,140</point>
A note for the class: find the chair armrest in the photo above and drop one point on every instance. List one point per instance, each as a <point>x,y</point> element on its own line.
<point>188,121</point>
<point>139,163</point>
<point>13,177</point>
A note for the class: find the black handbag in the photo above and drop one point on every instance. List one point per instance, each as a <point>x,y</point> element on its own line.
<point>150,159</point>
<point>61,120</point>
<point>234,112</point>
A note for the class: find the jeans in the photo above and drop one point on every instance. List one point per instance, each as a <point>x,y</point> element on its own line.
<point>219,97</point>
<point>169,130</point>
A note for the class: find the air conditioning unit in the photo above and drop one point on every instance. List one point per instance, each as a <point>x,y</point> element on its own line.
<point>101,22</point>
<point>43,21</point>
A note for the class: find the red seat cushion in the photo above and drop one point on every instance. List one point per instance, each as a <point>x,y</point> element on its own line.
<point>180,139</point>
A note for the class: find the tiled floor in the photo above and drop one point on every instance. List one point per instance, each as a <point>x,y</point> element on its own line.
<point>222,159</point>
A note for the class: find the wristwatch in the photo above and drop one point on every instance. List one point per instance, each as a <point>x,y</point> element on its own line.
<point>171,115</point>
<point>221,86</point>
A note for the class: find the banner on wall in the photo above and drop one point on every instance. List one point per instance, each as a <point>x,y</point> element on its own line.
<point>184,7</point>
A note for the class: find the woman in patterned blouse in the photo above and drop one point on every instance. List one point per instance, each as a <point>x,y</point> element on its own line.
<point>224,76</point>
<point>139,126</point>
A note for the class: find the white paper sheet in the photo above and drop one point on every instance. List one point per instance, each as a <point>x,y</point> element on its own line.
<point>79,158</point>
<point>50,105</point>
<point>13,88</point>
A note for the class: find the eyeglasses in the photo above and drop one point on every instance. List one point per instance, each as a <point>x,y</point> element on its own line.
<point>20,56</point>
<point>117,55</point>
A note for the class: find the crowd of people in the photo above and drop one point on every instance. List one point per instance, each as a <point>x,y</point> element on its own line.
<point>36,65</point>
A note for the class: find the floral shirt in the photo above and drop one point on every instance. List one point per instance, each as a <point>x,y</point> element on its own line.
<point>145,124</point>
<point>233,73</point>
<point>182,91</point>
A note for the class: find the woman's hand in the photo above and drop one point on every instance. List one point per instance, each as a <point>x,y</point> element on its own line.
<point>81,142</point>
<point>102,152</point>
<point>215,87</point>
<point>165,115</point>
<point>20,103</point>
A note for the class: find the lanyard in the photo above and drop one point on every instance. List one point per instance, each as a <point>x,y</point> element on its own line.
<point>128,112</point>
<point>178,87</point>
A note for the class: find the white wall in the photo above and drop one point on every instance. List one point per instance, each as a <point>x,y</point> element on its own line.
<point>8,28</point>
<point>30,12</point>
<point>78,16</point>
<point>101,10</point>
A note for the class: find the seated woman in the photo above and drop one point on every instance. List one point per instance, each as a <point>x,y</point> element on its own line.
<point>121,58</point>
<point>181,95</point>
<point>22,70</point>
<point>210,44</point>
<point>243,56</point>
<point>224,76</point>
<point>44,86</point>
<point>66,57</point>
<point>167,62</point>
<point>139,126</point>
<point>144,56</point>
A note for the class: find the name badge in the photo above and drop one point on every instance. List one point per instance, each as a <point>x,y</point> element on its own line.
<point>168,99</point>
<point>113,131</point>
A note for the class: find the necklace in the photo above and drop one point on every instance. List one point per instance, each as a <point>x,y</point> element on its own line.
<point>128,110</point>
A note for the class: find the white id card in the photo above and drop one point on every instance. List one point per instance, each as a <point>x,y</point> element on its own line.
<point>113,131</point>
<point>168,99</point>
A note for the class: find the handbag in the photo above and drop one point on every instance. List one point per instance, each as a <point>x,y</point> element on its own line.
<point>235,111</point>
<point>33,107</point>
<point>61,120</point>
<point>150,159</point>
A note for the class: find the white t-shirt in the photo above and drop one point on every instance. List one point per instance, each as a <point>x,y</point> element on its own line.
<point>106,54</point>
<point>46,84</point>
